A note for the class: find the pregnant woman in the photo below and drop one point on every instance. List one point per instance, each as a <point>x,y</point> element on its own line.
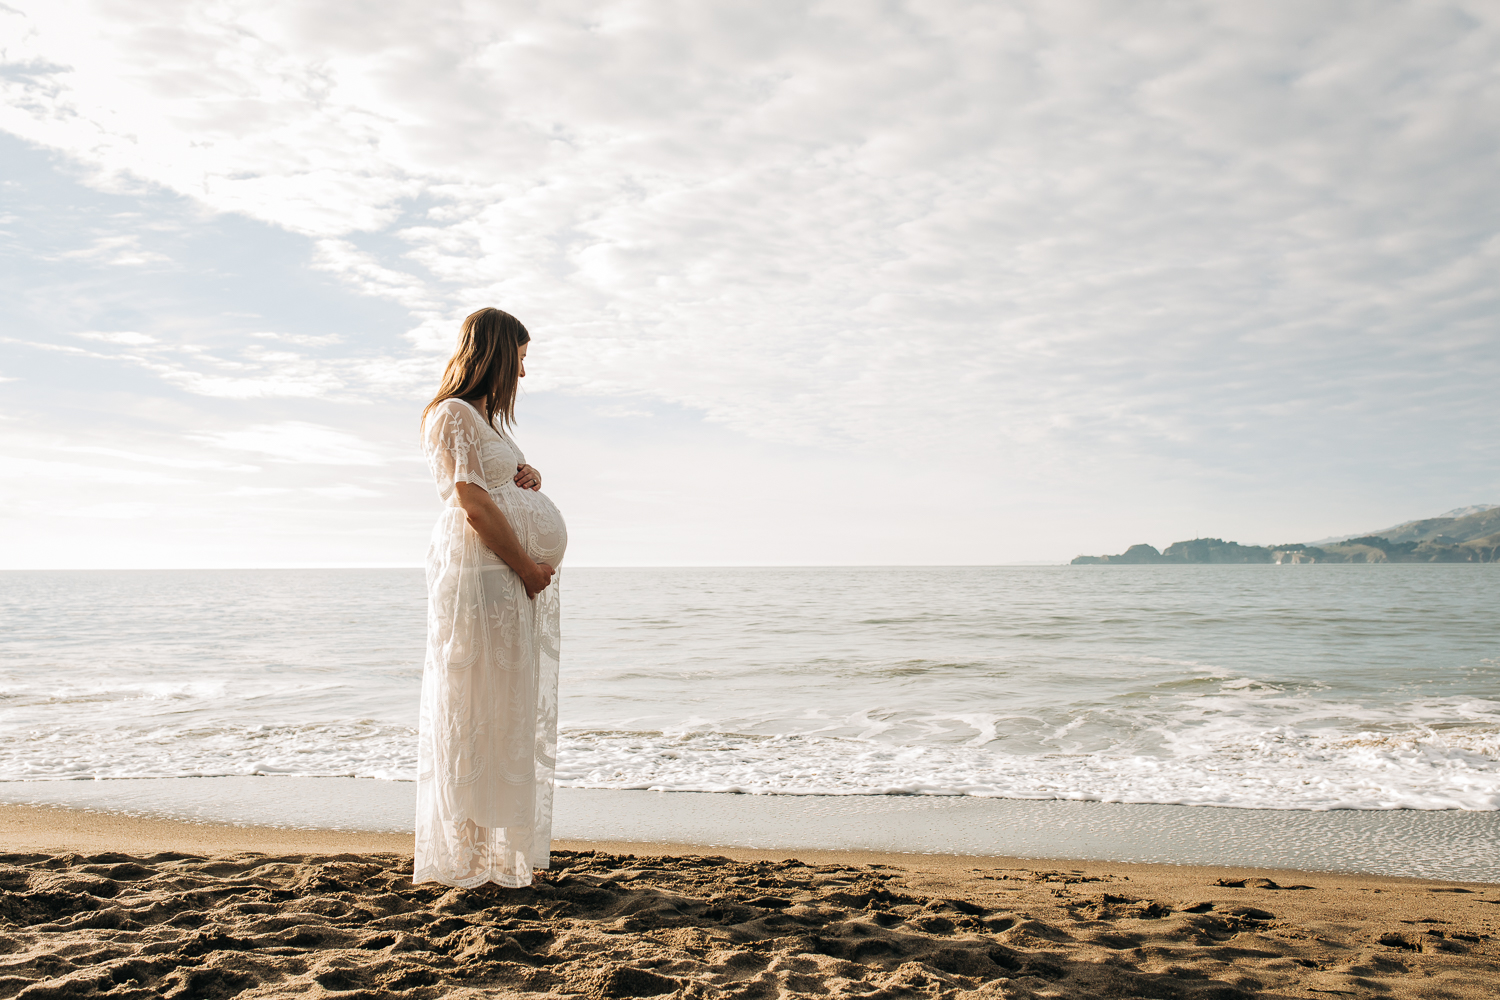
<point>487,738</point>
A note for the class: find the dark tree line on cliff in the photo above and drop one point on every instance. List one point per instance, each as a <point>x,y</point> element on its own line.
<point>1468,538</point>
<point>1357,550</point>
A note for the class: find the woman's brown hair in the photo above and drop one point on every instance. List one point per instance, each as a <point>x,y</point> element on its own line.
<point>486,364</point>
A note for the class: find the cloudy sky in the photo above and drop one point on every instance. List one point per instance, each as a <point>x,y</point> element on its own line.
<point>837,282</point>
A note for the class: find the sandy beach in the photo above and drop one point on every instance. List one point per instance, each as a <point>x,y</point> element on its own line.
<point>108,905</point>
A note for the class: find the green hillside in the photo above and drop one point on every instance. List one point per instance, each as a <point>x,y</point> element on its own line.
<point>1448,529</point>
<point>1471,538</point>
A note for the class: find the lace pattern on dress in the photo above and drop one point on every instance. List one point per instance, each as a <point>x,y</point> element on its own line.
<point>453,441</point>
<point>487,732</point>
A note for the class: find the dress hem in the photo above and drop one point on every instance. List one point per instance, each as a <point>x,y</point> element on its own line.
<point>503,881</point>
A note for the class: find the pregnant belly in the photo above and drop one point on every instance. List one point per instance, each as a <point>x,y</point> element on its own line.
<point>539,526</point>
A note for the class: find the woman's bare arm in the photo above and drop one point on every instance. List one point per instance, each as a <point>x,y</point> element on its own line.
<point>489,523</point>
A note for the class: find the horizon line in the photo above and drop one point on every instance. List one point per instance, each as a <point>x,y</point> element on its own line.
<point>416,566</point>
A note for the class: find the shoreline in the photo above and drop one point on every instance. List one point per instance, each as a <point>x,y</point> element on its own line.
<point>49,829</point>
<point>103,904</point>
<point>1454,844</point>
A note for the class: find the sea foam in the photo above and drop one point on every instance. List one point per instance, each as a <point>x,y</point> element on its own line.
<point>1263,687</point>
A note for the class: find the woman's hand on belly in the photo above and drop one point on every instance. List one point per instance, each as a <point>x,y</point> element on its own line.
<point>528,478</point>
<point>495,531</point>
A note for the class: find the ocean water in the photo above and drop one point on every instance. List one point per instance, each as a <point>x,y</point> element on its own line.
<point>1270,687</point>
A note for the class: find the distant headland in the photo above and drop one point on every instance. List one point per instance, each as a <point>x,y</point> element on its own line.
<point>1468,534</point>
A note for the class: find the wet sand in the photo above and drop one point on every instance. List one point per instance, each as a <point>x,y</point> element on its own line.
<point>1436,844</point>
<point>107,905</point>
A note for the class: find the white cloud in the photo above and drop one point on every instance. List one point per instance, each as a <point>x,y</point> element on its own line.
<point>258,491</point>
<point>1061,243</point>
<point>645,496</point>
<point>127,337</point>
<point>302,339</point>
<point>251,372</point>
<point>344,491</point>
<point>620,411</point>
<point>308,382</point>
<point>171,461</point>
<point>40,473</point>
<point>114,511</point>
<point>1025,195</point>
<point>296,441</point>
<point>122,251</point>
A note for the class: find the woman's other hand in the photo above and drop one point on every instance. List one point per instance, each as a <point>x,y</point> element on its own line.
<point>537,581</point>
<point>528,478</point>
<point>490,524</point>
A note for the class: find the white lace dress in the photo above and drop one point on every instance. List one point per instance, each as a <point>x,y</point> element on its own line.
<point>488,726</point>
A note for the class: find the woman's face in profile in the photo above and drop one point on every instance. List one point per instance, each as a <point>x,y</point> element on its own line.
<point>521,357</point>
